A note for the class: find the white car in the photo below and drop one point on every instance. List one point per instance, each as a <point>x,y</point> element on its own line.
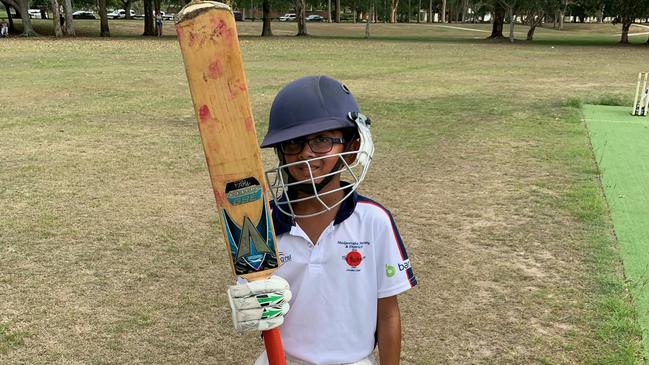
<point>288,17</point>
<point>120,14</point>
<point>34,13</point>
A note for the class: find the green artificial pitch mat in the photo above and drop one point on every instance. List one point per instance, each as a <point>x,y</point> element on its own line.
<point>621,146</point>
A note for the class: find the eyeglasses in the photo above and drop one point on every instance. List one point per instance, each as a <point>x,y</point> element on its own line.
<point>318,144</point>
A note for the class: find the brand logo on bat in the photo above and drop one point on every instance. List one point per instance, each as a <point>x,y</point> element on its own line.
<point>251,245</point>
<point>243,191</point>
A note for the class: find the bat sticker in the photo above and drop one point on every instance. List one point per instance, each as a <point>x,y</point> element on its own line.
<point>252,246</point>
<point>243,191</point>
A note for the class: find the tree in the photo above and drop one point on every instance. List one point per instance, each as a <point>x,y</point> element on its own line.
<point>56,15</point>
<point>337,11</point>
<point>627,11</point>
<point>265,28</point>
<point>104,31</point>
<point>301,17</point>
<point>535,11</point>
<point>149,29</point>
<point>69,21</point>
<point>443,15</point>
<point>499,20</point>
<point>21,7</point>
<point>510,5</point>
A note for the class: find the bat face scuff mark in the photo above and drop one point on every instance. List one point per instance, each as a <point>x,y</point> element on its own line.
<point>215,69</point>
<point>204,113</point>
<point>250,123</point>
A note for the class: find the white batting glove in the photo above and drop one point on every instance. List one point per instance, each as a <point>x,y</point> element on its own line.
<point>259,305</point>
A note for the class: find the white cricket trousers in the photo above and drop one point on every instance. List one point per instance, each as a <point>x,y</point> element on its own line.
<point>263,360</point>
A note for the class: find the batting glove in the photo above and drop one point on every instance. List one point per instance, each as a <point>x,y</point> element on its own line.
<point>259,305</point>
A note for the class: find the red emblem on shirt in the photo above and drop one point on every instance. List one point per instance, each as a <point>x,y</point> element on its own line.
<point>354,258</point>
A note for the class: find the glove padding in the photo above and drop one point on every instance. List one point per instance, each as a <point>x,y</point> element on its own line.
<point>259,305</point>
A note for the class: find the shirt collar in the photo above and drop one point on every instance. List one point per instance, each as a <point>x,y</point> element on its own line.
<point>283,222</point>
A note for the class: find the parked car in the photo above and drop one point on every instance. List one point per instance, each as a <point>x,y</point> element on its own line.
<point>83,14</point>
<point>120,14</point>
<point>288,17</point>
<point>166,16</point>
<point>34,13</point>
<point>314,18</point>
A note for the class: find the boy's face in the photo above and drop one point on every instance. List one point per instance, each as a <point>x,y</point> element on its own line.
<point>319,167</point>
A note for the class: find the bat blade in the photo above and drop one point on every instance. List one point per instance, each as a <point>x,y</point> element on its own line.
<point>211,53</point>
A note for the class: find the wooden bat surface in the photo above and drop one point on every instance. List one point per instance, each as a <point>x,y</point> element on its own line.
<point>210,47</point>
<point>209,44</point>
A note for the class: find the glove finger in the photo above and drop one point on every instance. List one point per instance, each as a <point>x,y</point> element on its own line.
<point>272,284</point>
<point>261,325</point>
<point>262,300</point>
<point>262,313</point>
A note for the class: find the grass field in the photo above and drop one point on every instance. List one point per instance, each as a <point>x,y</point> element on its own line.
<point>110,251</point>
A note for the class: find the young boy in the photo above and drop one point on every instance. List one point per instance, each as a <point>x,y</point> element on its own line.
<point>341,252</point>
<point>4,28</point>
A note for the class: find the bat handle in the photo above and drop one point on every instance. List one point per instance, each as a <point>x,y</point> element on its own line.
<point>274,349</point>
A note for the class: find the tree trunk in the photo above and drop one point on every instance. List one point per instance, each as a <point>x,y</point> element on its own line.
<point>530,33</point>
<point>499,20</point>
<point>600,14</point>
<point>369,20</point>
<point>443,15</point>
<point>337,11</point>
<point>511,23</point>
<point>354,13</point>
<point>148,19</point>
<point>127,9</point>
<point>626,25</point>
<point>393,10</point>
<point>21,7</point>
<point>409,12</point>
<point>265,28</point>
<point>534,22</point>
<point>429,18</point>
<point>301,17</point>
<point>562,14</point>
<point>58,33</point>
<point>465,7</point>
<point>103,16</point>
<point>69,21</point>
<point>156,10</point>
<point>329,12</point>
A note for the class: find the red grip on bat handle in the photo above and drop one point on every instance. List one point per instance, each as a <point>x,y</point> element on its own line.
<point>274,348</point>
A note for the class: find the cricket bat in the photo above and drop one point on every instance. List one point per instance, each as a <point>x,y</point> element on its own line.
<point>209,44</point>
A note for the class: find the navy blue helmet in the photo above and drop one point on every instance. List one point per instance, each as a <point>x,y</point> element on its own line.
<point>309,105</point>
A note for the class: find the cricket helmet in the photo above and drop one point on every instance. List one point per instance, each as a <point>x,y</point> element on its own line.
<point>306,106</point>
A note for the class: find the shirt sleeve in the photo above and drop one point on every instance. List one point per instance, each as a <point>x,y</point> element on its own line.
<point>394,272</point>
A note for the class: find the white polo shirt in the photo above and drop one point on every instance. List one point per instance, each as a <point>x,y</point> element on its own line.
<point>337,282</point>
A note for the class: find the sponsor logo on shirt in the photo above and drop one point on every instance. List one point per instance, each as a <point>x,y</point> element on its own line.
<point>284,258</point>
<point>391,270</point>
<point>405,265</point>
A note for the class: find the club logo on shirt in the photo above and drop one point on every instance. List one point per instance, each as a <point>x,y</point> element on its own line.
<point>353,258</point>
